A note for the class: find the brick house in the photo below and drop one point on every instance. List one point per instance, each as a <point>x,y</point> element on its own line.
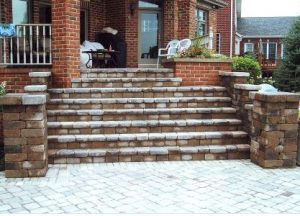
<point>264,35</point>
<point>50,32</point>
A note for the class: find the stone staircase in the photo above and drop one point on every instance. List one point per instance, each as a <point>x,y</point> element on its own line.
<point>112,115</point>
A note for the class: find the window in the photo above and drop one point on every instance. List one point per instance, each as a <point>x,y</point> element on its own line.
<point>20,9</point>
<point>218,43</point>
<point>201,22</point>
<point>248,47</point>
<point>270,50</point>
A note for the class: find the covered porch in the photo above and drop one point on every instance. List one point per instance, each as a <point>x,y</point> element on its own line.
<point>49,32</point>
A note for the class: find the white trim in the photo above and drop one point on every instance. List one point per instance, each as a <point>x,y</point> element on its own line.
<point>268,49</point>
<point>245,44</point>
<point>218,36</point>
<point>231,28</point>
<point>281,51</point>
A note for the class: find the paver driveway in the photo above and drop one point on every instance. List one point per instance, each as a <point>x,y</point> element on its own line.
<point>159,187</point>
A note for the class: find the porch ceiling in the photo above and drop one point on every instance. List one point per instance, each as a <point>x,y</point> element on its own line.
<point>215,3</point>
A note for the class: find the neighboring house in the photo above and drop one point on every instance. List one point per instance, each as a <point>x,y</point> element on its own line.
<point>49,32</point>
<point>263,35</point>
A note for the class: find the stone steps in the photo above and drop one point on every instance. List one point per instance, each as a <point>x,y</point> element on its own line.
<point>127,73</point>
<point>142,126</point>
<point>140,114</point>
<point>138,103</point>
<point>154,92</point>
<point>139,154</point>
<point>124,82</point>
<point>146,139</point>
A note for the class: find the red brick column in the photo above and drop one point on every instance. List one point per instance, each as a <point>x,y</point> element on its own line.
<point>170,10</point>
<point>66,41</point>
<point>186,18</point>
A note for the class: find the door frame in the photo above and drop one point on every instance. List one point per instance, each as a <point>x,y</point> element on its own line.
<point>160,35</point>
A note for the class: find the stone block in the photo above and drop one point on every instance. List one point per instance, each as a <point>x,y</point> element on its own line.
<point>14,141</point>
<point>37,172</point>
<point>11,116</point>
<point>16,157</point>
<point>34,164</point>
<point>32,116</point>
<point>12,133</point>
<point>33,133</point>
<point>10,125</point>
<point>16,173</point>
<point>11,99</point>
<point>36,124</point>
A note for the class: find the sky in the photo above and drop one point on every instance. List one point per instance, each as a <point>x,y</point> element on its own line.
<point>269,8</point>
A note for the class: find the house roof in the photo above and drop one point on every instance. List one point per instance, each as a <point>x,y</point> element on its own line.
<point>264,26</point>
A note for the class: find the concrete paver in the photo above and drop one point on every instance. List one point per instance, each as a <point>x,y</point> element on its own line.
<point>155,187</point>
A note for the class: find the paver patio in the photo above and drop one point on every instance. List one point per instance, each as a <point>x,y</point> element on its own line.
<point>155,187</point>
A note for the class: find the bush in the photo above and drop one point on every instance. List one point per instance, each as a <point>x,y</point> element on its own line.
<point>287,76</point>
<point>248,64</point>
<point>2,88</point>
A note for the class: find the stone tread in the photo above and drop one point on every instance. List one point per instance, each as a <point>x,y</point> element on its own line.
<point>142,111</point>
<point>125,80</point>
<point>82,153</point>
<point>146,136</point>
<point>144,123</point>
<point>138,100</point>
<point>127,70</point>
<point>153,89</point>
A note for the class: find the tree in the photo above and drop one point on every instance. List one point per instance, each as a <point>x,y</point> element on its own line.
<point>287,76</point>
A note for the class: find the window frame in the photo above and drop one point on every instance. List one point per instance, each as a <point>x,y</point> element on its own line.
<point>218,43</point>
<point>246,44</point>
<point>267,54</point>
<point>199,22</point>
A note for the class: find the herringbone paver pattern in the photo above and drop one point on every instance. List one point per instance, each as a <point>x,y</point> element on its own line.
<point>159,187</point>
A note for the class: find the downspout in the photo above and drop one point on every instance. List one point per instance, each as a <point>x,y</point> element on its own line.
<point>231,29</point>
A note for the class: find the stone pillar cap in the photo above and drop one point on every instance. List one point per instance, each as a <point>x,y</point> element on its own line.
<point>275,96</point>
<point>39,74</point>
<point>247,87</point>
<point>234,74</point>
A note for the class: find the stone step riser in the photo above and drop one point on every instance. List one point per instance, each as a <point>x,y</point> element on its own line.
<point>128,75</point>
<point>147,84</point>
<point>151,143</point>
<point>139,105</point>
<point>148,158</point>
<point>138,95</point>
<point>154,129</point>
<point>120,117</point>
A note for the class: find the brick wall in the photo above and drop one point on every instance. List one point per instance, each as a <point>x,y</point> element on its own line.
<point>170,21</point>
<point>223,27</point>
<point>5,7</point>
<point>196,72</point>
<point>17,78</point>
<point>97,20</point>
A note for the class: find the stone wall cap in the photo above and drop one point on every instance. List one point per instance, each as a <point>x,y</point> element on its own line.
<point>208,60</point>
<point>234,74</point>
<point>34,99</point>
<point>11,99</point>
<point>35,88</point>
<point>275,96</point>
<point>39,74</point>
<point>247,87</point>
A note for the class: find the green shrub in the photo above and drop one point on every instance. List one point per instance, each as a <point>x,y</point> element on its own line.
<point>287,76</point>
<point>2,88</point>
<point>248,64</point>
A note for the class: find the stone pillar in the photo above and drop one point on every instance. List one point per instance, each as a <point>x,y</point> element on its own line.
<point>25,135</point>
<point>240,100</point>
<point>275,129</point>
<point>66,41</point>
<point>229,79</point>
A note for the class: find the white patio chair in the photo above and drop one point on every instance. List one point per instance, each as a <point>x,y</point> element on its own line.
<point>169,51</point>
<point>184,45</point>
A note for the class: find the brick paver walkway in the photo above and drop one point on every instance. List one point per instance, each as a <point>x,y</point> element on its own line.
<point>159,187</point>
